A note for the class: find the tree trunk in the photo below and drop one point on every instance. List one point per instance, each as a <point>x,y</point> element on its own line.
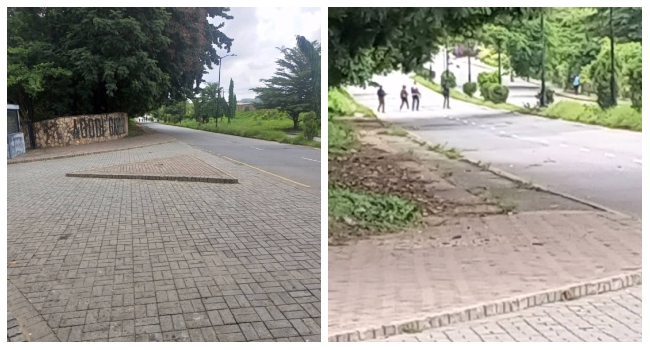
<point>295,122</point>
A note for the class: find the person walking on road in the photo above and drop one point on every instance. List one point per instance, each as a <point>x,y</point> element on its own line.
<point>415,93</point>
<point>445,94</point>
<point>404,95</point>
<point>576,84</point>
<point>381,94</point>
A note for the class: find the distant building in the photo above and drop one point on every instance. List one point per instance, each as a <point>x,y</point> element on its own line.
<point>242,106</point>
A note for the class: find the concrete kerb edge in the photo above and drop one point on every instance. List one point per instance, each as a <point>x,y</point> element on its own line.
<point>21,161</point>
<point>155,177</point>
<point>499,307</point>
<point>517,179</point>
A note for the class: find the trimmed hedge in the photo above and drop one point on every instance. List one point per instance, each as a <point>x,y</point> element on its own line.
<point>470,88</point>
<point>498,93</point>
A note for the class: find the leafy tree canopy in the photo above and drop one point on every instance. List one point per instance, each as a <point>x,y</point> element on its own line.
<point>100,60</point>
<point>367,41</point>
<point>293,87</point>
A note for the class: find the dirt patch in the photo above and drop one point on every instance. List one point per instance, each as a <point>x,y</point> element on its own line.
<point>388,162</point>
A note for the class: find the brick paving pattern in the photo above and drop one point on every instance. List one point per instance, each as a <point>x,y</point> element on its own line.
<point>611,317</point>
<point>132,260</point>
<point>177,168</point>
<point>42,154</point>
<point>14,332</point>
<point>396,278</point>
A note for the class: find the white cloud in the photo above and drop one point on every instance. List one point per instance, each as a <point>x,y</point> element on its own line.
<point>257,33</point>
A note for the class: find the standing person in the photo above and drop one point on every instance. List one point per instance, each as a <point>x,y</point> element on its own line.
<point>381,94</point>
<point>415,93</point>
<point>404,95</point>
<point>576,84</point>
<point>445,94</point>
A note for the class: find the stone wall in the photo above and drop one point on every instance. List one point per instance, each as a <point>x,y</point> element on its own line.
<point>78,130</point>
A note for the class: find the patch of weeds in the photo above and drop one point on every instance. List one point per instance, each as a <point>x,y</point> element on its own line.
<point>411,331</point>
<point>507,206</point>
<point>394,132</point>
<point>372,211</point>
<point>340,138</point>
<point>451,153</point>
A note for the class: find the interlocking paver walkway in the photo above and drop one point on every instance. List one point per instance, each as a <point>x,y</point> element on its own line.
<point>607,317</point>
<point>177,168</point>
<point>133,260</point>
<point>41,154</point>
<point>397,278</point>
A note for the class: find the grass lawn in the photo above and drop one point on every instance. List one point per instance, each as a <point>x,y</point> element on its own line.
<point>620,117</point>
<point>260,124</point>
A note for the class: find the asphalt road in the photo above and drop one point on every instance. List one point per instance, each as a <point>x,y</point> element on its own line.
<point>521,91</point>
<point>297,164</point>
<point>589,162</point>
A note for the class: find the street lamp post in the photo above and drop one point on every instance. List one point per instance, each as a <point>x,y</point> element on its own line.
<point>612,78</point>
<point>219,85</point>
<point>542,98</point>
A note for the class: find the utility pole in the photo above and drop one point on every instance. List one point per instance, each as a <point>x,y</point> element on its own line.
<point>542,99</point>
<point>499,55</point>
<point>612,78</point>
<point>219,86</point>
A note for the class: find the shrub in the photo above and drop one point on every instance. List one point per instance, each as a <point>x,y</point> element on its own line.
<point>469,88</point>
<point>485,90</point>
<point>487,78</point>
<point>633,74</point>
<point>310,124</point>
<point>498,93</point>
<point>604,95</point>
<point>549,96</point>
<point>447,77</point>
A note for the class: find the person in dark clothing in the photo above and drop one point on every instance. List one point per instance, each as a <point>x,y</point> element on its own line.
<point>415,94</point>
<point>445,94</point>
<point>381,94</point>
<point>404,95</point>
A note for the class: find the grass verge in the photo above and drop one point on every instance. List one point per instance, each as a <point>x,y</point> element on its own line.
<point>372,211</point>
<point>341,104</point>
<point>260,124</point>
<point>134,129</point>
<point>619,117</point>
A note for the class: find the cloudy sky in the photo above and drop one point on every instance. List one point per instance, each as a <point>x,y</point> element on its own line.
<point>256,33</point>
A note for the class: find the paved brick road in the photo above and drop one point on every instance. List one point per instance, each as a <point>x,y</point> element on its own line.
<point>133,260</point>
<point>396,278</point>
<point>607,317</point>
<point>149,139</point>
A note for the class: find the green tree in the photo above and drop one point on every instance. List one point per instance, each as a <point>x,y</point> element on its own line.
<point>232,101</point>
<point>101,60</point>
<point>367,41</point>
<point>312,53</point>
<point>626,21</point>
<point>291,88</point>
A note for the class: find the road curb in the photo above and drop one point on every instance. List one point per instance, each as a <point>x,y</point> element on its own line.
<point>515,178</point>
<point>509,176</point>
<point>156,177</point>
<point>499,307</point>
